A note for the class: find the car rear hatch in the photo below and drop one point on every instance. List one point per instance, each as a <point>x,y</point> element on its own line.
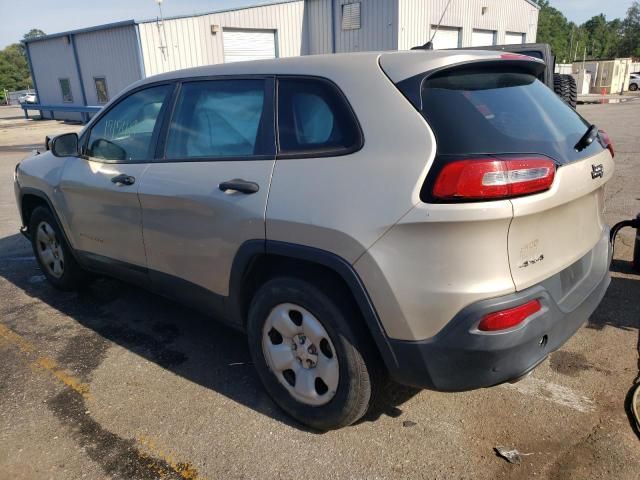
<point>502,134</point>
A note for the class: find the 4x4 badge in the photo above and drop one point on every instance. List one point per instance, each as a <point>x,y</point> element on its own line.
<point>597,171</point>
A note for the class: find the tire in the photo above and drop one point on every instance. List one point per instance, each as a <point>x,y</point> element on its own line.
<point>566,88</point>
<point>286,305</point>
<point>52,252</point>
<point>633,87</point>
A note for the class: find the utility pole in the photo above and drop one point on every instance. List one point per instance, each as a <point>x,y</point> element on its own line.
<point>570,45</point>
<point>162,36</point>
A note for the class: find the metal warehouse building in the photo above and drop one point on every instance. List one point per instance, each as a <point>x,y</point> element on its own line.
<point>87,67</point>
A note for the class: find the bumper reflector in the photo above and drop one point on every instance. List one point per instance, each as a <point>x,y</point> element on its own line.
<point>509,318</point>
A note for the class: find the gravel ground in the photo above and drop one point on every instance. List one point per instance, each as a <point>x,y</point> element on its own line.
<point>118,383</point>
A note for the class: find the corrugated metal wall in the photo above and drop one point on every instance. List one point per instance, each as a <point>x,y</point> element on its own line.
<point>111,53</point>
<point>378,26</point>
<point>52,60</point>
<point>318,27</point>
<point>418,16</point>
<point>377,32</point>
<point>188,42</point>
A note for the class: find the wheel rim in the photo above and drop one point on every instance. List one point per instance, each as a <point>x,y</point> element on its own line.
<point>49,250</point>
<point>300,353</point>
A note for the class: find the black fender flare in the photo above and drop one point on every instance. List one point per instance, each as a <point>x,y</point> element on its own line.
<point>43,196</point>
<point>253,249</point>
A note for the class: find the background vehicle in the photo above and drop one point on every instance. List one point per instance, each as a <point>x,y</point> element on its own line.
<point>634,82</point>
<point>564,85</point>
<point>353,240</point>
<point>29,97</point>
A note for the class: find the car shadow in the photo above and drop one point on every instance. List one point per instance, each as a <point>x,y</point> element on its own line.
<point>172,336</point>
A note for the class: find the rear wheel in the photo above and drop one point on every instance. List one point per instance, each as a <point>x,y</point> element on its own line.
<point>633,87</point>
<point>309,350</point>
<point>566,88</point>
<point>52,251</point>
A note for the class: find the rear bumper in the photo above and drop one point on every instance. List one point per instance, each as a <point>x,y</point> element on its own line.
<point>462,358</point>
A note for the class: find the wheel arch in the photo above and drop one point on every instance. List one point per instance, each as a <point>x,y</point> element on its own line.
<point>258,260</point>
<point>30,199</point>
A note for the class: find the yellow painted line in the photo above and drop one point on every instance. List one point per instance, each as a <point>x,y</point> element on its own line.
<point>15,339</point>
<point>48,364</point>
<point>185,470</point>
<point>73,383</point>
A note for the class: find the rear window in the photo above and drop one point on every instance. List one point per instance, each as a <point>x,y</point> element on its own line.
<point>493,112</point>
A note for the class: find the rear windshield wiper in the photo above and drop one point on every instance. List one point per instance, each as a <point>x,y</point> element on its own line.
<point>587,139</point>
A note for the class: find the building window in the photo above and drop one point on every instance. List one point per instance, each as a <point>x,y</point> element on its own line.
<point>351,16</point>
<point>65,88</point>
<point>101,89</point>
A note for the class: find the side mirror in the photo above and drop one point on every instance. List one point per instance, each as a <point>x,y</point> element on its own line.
<point>65,145</point>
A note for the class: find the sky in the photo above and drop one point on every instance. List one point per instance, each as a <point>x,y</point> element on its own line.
<point>54,16</point>
<point>580,11</point>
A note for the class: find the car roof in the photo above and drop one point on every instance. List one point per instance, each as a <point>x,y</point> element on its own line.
<point>399,65</point>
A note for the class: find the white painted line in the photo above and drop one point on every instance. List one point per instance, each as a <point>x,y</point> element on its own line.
<point>553,392</point>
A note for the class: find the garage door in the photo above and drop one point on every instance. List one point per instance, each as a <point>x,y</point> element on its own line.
<point>446,37</point>
<point>482,38</point>
<point>512,38</point>
<point>244,45</point>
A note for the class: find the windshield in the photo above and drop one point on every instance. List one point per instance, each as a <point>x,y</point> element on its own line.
<point>493,112</point>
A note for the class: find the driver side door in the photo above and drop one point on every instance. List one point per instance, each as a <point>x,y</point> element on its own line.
<point>100,188</point>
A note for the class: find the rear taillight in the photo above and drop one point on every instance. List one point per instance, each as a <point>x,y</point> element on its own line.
<point>509,318</point>
<point>493,178</point>
<point>605,139</point>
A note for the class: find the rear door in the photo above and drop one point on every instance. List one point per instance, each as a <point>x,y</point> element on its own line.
<point>207,193</point>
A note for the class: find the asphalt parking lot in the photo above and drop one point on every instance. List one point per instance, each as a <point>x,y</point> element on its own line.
<point>115,382</point>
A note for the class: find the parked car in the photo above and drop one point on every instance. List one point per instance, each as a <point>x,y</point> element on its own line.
<point>634,82</point>
<point>563,84</point>
<point>431,217</point>
<point>29,97</point>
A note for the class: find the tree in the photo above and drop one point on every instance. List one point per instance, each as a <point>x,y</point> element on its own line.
<point>556,30</point>
<point>630,42</point>
<point>33,33</point>
<point>14,68</point>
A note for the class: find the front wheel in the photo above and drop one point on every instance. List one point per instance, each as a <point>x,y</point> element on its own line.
<point>633,87</point>
<point>309,350</point>
<point>52,251</point>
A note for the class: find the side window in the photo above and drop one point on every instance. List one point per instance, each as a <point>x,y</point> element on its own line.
<point>101,89</point>
<point>314,117</point>
<point>125,132</point>
<point>218,118</point>
<point>65,88</point>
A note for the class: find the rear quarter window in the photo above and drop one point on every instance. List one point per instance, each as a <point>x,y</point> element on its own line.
<point>314,118</point>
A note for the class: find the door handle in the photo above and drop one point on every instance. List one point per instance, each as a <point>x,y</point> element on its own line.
<point>239,185</point>
<point>123,179</point>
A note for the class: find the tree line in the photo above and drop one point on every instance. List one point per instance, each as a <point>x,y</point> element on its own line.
<point>14,68</point>
<point>597,38</point>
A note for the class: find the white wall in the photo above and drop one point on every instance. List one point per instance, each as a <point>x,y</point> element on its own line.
<point>52,60</point>
<point>416,18</point>
<point>111,53</point>
<point>190,43</point>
